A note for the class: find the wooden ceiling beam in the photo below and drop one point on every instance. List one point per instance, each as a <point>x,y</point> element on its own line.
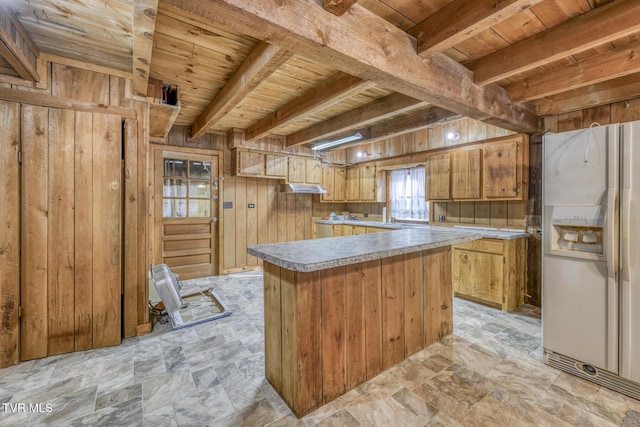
<point>462,19</point>
<point>260,64</point>
<point>16,47</point>
<point>380,109</point>
<point>405,124</point>
<point>338,7</point>
<point>608,65</point>
<point>363,44</point>
<point>609,22</point>
<point>329,92</point>
<point>608,92</point>
<point>144,24</point>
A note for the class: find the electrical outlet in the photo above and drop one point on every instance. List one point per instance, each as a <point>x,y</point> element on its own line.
<point>366,215</point>
<point>227,205</point>
<point>441,218</point>
<point>251,205</point>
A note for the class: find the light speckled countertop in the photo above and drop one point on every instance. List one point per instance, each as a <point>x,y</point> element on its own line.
<point>504,234</point>
<point>321,254</point>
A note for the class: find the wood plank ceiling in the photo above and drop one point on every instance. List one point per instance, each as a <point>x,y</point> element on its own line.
<point>311,69</point>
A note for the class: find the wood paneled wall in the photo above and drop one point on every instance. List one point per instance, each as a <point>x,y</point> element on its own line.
<point>619,112</point>
<point>275,217</point>
<point>79,93</point>
<point>9,232</point>
<point>71,231</point>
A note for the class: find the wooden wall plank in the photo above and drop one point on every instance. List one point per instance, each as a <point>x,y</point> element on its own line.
<point>252,218</point>
<point>309,340</point>
<point>290,215</point>
<point>107,233</point>
<point>272,209</point>
<point>60,238</point>
<point>301,216</point>
<point>392,311</point>
<point>10,234</point>
<point>240,208</point>
<point>334,378</point>
<point>131,265</point>
<point>83,231</point>
<point>229,218</point>
<point>75,83</point>
<point>373,317</point>
<point>355,328</point>
<point>35,166</point>
<point>273,324</point>
<point>282,217</point>
<point>413,303</point>
<point>438,310</point>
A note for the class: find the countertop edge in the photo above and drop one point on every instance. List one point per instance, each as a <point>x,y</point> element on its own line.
<point>490,234</point>
<point>373,255</point>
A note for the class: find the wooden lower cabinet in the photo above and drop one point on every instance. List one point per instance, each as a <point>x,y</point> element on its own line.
<point>328,331</point>
<point>490,271</point>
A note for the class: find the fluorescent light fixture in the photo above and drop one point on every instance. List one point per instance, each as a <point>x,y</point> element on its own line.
<point>334,143</point>
<point>453,135</point>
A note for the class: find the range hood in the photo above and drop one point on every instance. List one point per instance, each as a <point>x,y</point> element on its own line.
<point>303,188</point>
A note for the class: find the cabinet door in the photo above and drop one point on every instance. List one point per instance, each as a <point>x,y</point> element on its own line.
<point>297,173</point>
<point>251,163</point>
<point>340,184</point>
<point>368,182</point>
<point>500,167</point>
<point>438,177</point>
<point>313,171</point>
<point>489,277</point>
<point>464,274</point>
<point>465,175</point>
<point>328,182</point>
<point>276,165</point>
<point>359,229</point>
<point>353,184</point>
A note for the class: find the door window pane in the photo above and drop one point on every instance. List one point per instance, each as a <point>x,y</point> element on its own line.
<point>175,167</point>
<point>200,189</point>
<point>199,208</point>
<point>199,169</point>
<point>174,188</point>
<point>174,208</point>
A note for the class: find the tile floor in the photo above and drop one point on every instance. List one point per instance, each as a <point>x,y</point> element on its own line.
<point>489,373</point>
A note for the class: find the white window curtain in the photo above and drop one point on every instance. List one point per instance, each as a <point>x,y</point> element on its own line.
<point>407,194</point>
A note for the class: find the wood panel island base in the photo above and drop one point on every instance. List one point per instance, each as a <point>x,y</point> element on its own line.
<point>365,304</point>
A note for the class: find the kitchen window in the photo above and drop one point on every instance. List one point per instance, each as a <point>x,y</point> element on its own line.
<point>408,194</point>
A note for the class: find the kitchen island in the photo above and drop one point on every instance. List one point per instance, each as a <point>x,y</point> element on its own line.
<point>339,311</point>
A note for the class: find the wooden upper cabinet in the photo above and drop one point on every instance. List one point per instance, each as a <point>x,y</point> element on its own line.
<point>276,165</point>
<point>506,169</point>
<point>438,177</point>
<point>465,173</point>
<point>250,163</point>
<point>340,184</point>
<point>335,182</point>
<point>368,182</point>
<point>353,184</point>
<point>491,170</point>
<point>313,171</point>
<point>258,164</point>
<point>297,170</point>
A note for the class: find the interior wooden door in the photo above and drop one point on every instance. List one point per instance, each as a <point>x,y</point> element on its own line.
<point>71,239</point>
<point>186,212</point>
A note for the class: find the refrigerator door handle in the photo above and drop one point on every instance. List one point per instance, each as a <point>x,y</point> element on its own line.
<point>628,233</point>
<point>609,234</point>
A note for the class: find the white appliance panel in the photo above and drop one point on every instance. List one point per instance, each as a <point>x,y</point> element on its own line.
<point>575,309</point>
<point>575,167</point>
<point>629,253</point>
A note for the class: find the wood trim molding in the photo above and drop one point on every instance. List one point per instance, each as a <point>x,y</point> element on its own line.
<point>144,23</point>
<point>46,100</point>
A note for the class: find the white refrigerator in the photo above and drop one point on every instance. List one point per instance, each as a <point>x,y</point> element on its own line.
<point>591,261</point>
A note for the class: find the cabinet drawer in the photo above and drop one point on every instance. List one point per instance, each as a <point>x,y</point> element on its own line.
<point>492,246</point>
